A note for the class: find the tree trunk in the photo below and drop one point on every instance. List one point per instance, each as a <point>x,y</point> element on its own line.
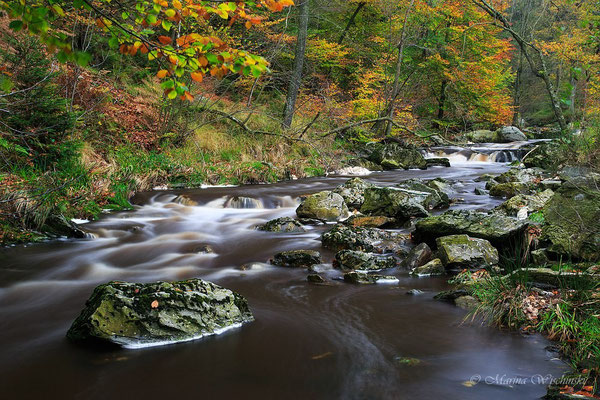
<point>296,77</point>
<point>351,21</point>
<point>541,70</point>
<point>517,93</point>
<point>388,111</point>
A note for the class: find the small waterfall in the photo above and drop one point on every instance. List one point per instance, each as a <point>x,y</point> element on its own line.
<point>491,152</point>
<point>243,202</point>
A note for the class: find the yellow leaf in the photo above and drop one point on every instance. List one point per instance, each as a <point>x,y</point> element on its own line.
<point>177,4</point>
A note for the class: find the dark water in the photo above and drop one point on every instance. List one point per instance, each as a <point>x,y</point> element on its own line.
<point>308,341</point>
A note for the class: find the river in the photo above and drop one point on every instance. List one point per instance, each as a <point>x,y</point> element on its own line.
<point>309,341</point>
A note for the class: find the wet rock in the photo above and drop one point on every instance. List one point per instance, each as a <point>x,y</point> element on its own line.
<point>441,185</point>
<point>485,178</point>
<point>546,277</point>
<point>415,292</point>
<point>434,198</point>
<point>367,221</point>
<point>508,134</point>
<point>138,315</point>
<point>284,224</point>
<point>462,251</point>
<point>481,192</point>
<point>297,258</point>
<point>319,268</point>
<point>530,203</point>
<point>395,203</point>
<point>500,230</point>
<point>530,176</point>
<point>364,278</point>
<point>353,192</point>
<point>508,189</point>
<point>466,302</point>
<point>433,267</point>
<point>185,201</point>
<point>204,249</point>
<point>394,156</point>
<point>438,161</point>
<point>349,260</point>
<point>315,278</point>
<point>482,136</point>
<point>364,163</point>
<point>571,227</point>
<point>59,226</point>
<point>417,256</point>
<point>324,205</point>
<point>372,240</point>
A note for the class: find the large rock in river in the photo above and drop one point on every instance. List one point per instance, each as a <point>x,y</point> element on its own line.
<point>401,204</point>
<point>500,230</point>
<point>353,192</point>
<point>572,227</point>
<point>508,134</point>
<point>350,260</point>
<point>324,205</point>
<point>137,315</point>
<point>284,225</point>
<point>462,251</point>
<point>297,258</point>
<point>394,156</point>
<point>372,240</point>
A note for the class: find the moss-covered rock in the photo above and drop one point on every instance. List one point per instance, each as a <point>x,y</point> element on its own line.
<point>297,258</point>
<point>572,228</point>
<point>508,134</point>
<point>139,315</point>
<point>367,221</point>
<point>500,230</point>
<point>482,136</point>
<point>350,260</point>
<point>508,189</point>
<point>372,240</point>
<point>530,203</point>
<point>434,192</point>
<point>324,205</point>
<point>438,162</point>
<point>353,192</point>
<point>546,156</point>
<point>394,156</point>
<point>284,225</point>
<point>433,267</point>
<point>462,251</point>
<point>397,203</point>
<point>364,163</point>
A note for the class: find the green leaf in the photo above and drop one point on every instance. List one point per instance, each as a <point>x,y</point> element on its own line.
<point>172,94</point>
<point>166,24</point>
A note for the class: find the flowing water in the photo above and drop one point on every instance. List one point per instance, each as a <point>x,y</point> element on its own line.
<point>308,341</point>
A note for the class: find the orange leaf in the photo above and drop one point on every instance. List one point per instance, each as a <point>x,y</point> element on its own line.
<point>197,76</point>
<point>188,96</point>
<point>154,304</point>
<point>165,40</point>
<point>202,61</point>
<point>162,73</point>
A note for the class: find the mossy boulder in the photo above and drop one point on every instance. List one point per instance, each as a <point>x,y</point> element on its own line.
<point>482,136</point>
<point>462,251</point>
<point>283,225</point>
<point>397,203</point>
<point>434,192</point>
<point>438,162</point>
<point>367,221</point>
<point>508,134</point>
<point>326,205</point>
<point>433,267</point>
<point>528,203</point>
<point>545,155</point>
<point>364,163</point>
<point>297,258</point>
<point>572,228</point>
<point>417,256</point>
<point>350,260</point>
<point>500,230</point>
<point>353,192</point>
<point>372,240</point>
<point>508,189</point>
<point>394,156</point>
<point>139,315</point>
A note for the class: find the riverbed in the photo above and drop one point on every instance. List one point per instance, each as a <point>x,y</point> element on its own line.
<point>308,341</point>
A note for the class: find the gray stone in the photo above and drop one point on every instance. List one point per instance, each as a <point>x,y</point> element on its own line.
<point>462,251</point>
<point>297,258</point>
<point>433,267</point>
<point>284,225</point>
<point>353,192</point>
<point>349,260</point>
<point>417,256</point>
<point>395,203</point>
<point>324,205</point>
<point>140,315</point>
<point>372,240</point>
<point>364,278</point>
<point>467,302</point>
<point>511,134</point>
